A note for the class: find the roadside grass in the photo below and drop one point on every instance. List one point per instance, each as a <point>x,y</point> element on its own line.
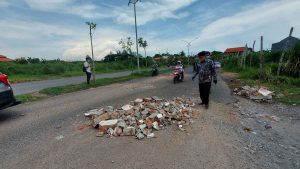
<point>55,91</point>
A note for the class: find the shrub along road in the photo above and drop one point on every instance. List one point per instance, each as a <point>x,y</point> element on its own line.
<point>51,133</point>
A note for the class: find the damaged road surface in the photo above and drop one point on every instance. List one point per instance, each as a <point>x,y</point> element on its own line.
<point>54,133</point>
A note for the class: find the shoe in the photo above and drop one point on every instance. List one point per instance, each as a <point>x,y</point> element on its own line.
<point>206,106</point>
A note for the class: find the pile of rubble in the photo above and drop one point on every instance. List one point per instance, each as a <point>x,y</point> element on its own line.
<point>258,94</point>
<point>141,117</point>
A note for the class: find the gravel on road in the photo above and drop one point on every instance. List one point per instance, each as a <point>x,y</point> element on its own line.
<point>53,133</point>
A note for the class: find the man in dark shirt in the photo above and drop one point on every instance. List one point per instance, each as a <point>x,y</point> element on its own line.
<point>207,73</point>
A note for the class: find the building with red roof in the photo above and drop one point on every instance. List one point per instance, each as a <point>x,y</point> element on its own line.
<point>236,51</point>
<point>5,59</point>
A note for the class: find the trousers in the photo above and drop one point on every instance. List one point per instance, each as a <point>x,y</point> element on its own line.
<point>88,77</point>
<point>204,89</point>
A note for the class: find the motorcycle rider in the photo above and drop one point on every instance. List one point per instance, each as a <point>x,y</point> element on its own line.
<point>180,68</point>
<point>207,74</point>
<point>154,69</point>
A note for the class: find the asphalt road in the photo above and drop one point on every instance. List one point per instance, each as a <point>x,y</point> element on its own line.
<point>30,87</point>
<point>49,133</point>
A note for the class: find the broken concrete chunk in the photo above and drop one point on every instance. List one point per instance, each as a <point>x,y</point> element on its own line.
<point>129,131</point>
<point>110,131</point>
<point>118,131</point>
<point>127,107</point>
<point>151,135</point>
<point>258,94</point>
<point>159,116</point>
<point>264,92</point>
<point>121,124</point>
<point>108,122</point>
<point>93,112</point>
<point>140,136</point>
<point>153,115</point>
<point>142,126</point>
<point>145,112</point>
<point>138,100</point>
<point>155,125</point>
<point>142,116</point>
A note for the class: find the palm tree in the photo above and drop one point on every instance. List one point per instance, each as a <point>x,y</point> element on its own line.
<point>143,44</point>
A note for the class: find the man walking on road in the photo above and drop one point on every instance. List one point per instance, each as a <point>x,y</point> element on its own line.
<point>87,69</point>
<point>207,74</point>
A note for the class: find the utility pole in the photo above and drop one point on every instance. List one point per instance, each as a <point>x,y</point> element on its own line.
<point>283,52</point>
<point>136,33</point>
<point>188,45</point>
<point>252,53</point>
<point>261,55</point>
<point>92,26</point>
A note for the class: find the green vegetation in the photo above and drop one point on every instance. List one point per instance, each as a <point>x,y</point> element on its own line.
<point>54,91</point>
<point>287,84</point>
<point>33,69</point>
<point>42,70</point>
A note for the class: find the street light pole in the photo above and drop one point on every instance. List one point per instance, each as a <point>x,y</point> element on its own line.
<point>136,32</point>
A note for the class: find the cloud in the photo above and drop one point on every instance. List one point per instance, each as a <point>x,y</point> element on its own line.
<point>25,38</point>
<point>105,40</point>
<point>147,10</point>
<point>271,19</point>
<point>4,3</point>
<point>73,7</point>
<point>152,10</point>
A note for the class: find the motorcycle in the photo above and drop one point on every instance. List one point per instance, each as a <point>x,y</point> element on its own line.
<point>178,75</point>
<point>154,71</point>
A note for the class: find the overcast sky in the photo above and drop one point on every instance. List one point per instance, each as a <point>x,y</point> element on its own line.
<point>56,28</point>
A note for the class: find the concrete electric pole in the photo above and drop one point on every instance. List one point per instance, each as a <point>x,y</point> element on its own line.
<point>136,32</point>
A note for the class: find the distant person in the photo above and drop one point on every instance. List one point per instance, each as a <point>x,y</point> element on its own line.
<point>87,69</point>
<point>207,74</point>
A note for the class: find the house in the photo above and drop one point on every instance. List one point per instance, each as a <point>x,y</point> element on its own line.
<point>5,59</point>
<point>279,46</point>
<point>236,51</point>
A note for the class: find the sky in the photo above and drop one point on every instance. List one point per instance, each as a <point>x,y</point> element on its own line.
<point>54,29</point>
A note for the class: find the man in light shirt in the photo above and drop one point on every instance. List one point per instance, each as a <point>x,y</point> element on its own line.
<point>87,69</point>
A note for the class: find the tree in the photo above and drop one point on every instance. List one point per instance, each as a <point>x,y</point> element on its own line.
<point>182,53</point>
<point>126,44</point>
<point>143,44</point>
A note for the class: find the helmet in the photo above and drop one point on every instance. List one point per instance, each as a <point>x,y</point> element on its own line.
<point>179,62</point>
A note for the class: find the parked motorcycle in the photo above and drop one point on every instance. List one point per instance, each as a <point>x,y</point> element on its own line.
<point>178,75</point>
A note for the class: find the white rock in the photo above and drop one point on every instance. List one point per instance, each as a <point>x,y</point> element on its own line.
<point>108,122</point>
<point>155,125</point>
<point>264,92</point>
<point>159,116</point>
<point>151,135</point>
<point>127,107</point>
<point>138,100</point>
